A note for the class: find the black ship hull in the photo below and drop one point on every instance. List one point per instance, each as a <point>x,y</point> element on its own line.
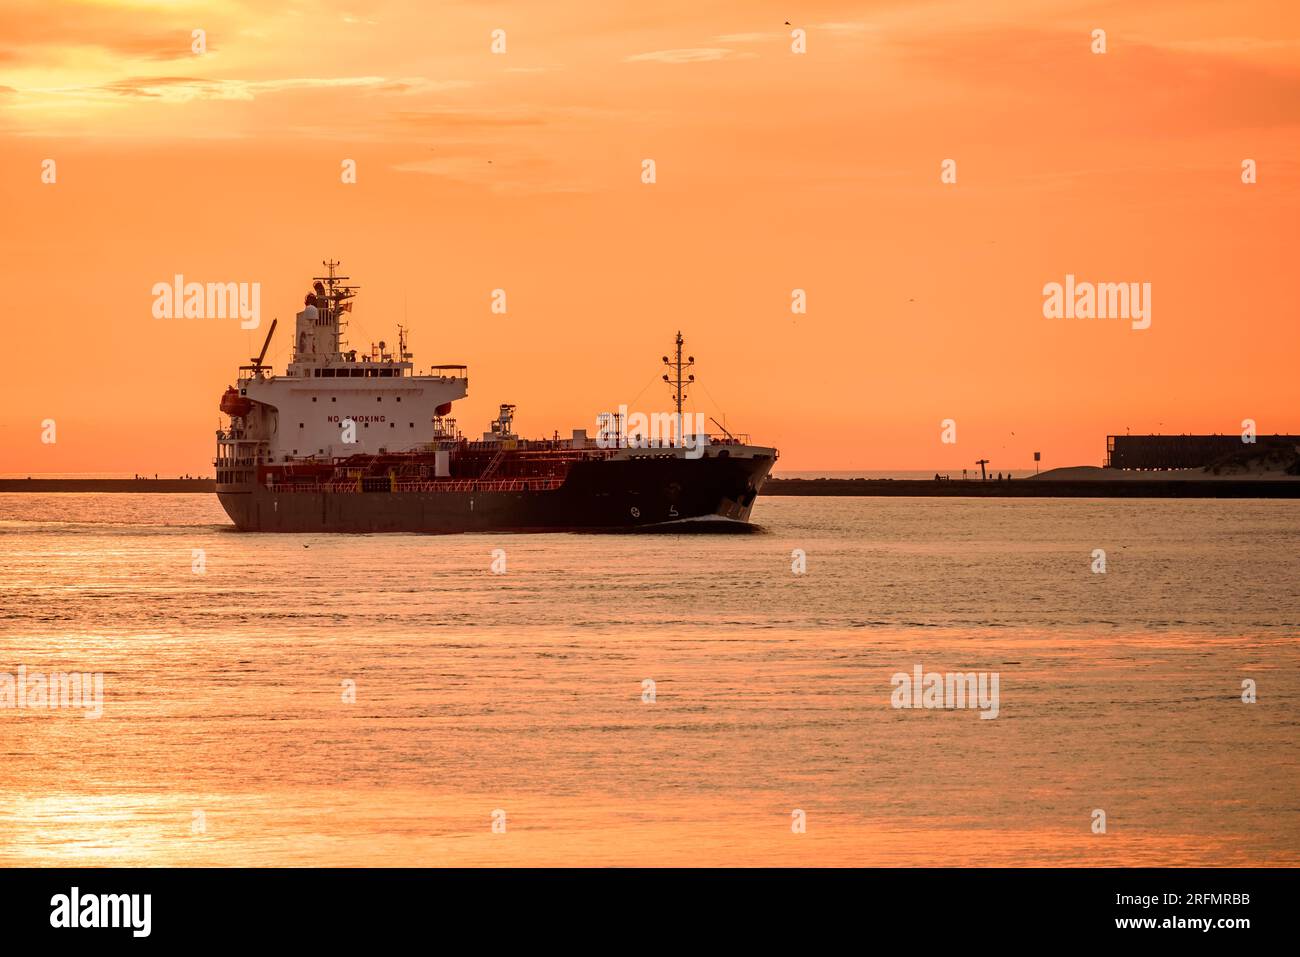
<point>605,495</point>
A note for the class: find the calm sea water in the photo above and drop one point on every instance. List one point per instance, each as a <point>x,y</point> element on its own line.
<point>225,738</point>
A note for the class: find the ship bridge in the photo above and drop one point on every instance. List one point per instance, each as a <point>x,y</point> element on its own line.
<point>333,401</point>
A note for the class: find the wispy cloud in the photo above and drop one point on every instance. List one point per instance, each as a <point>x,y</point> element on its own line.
<point>684,55</point>
<point>1150,90</point>
<point>185,89</point>
<point>464,119</point>
<point>37,31</point>
<point>855,27</point>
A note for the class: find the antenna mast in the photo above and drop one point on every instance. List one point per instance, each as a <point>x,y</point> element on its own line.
<point>678,383</point>
<point>332,296</point>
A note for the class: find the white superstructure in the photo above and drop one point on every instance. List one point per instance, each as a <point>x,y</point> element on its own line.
<point>331,402</point>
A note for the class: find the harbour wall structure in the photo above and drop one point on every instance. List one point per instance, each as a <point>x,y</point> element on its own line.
<point>1031,488</point>
<point>197,485</point>
<point>1186,451</point>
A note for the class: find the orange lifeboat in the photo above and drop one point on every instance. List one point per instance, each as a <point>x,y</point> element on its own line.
<point>234,404</point>
<point>444,409</point>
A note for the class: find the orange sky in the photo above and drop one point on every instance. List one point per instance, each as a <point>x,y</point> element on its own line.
<point>775,171</point>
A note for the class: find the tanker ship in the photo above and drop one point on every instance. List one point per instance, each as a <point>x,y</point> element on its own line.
<point>348,443</point>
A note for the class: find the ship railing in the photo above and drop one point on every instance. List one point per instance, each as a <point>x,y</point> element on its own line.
<point>626,442</point>
<point>343,486</point>
<point>538,484</point>
<point>233,435</point>
<point>736,438</point>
